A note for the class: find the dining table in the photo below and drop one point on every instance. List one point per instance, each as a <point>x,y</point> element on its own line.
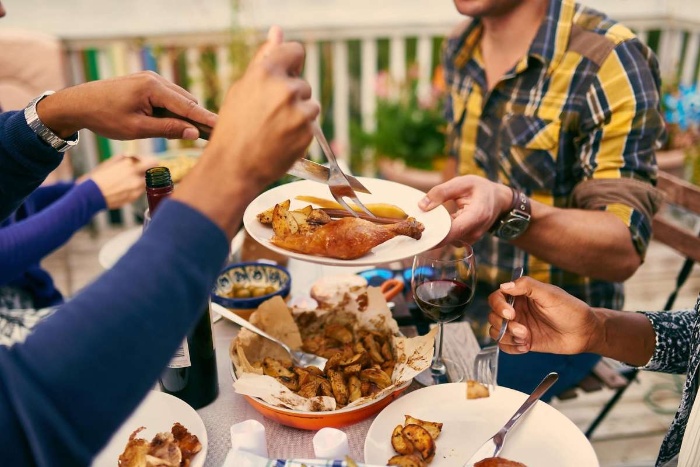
<point>283,442</point>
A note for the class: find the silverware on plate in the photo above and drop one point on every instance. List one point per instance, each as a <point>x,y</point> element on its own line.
<point>493,446</point>
<point>299,358</point>
<point>309,170</point>
<point>337,181</point>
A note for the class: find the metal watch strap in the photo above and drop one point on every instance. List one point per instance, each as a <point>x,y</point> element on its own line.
<point>44,132</point>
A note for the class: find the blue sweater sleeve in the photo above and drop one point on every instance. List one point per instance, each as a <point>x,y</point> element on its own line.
<point>47,194</point>
<point>83,370</point>
<point>26,242</point>
<point>25,161</point>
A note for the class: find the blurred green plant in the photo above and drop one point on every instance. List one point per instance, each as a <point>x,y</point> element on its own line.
<point>410,126</point>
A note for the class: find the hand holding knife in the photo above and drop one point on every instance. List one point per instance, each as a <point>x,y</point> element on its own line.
<point>302,168</point>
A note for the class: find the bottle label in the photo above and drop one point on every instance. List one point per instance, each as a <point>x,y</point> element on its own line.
<point>181,359</point>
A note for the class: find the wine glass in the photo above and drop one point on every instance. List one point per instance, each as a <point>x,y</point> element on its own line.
<point>443,288</point>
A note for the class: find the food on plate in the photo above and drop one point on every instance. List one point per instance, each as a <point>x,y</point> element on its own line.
<point>314,232</point>
<point>378,209</point>
<point>498,462</point>
<point>367,357</point>
<point>476,390</point>
<point>179,166</point>
<point>348,238</point>
<point>414,441</point>
<point>174,448</point>
<point>422,441</point>
<point>360,361</point>
<point>434,428</point>
<point>407,460</point>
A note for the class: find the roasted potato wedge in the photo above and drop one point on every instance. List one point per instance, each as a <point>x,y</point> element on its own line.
<point>399,442</point>
<point>434,428</point>
<point>421,440</point>
<point>476,390</point>
<point>409,460</point>
<point>283,222</point>
<point>339,387</point>
<point>265,217</point>
<point>377,376</point>
<point>354,388</point>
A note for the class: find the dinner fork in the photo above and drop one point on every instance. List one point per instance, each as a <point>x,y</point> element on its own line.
<point>300,358</point>
<point>337,181</point>
<point>486,361</point>
<point>493,446</point>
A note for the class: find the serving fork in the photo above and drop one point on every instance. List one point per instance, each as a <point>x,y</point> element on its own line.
<point>337,181</point>
<point>486,361</point>
<point>299,358</point>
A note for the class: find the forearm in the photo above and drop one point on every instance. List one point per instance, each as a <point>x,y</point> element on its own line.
<point>26,242</point>
<point>129,322</point>
<point>624,336</point>
<point>25,161</point>
<point>587,242</point>
<point>210,182</point>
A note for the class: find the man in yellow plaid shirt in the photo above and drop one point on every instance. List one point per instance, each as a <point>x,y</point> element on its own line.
<point>553,119</point>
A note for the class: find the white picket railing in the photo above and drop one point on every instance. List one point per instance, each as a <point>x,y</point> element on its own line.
<point>332,32</point>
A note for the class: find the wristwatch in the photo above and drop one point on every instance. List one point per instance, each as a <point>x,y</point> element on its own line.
<point>44,132</point>
<point>516,221</point>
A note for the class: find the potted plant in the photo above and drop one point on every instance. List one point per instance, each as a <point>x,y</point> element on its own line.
<point>409,139</point>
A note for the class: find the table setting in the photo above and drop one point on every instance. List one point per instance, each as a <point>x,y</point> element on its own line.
<point>379,398</point>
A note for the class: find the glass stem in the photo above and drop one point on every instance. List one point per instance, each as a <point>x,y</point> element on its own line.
<point>437,366</point>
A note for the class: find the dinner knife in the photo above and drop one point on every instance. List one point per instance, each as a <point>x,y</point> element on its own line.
<point>302,168</point>
<point>492,447</point>
<point>309,170</point>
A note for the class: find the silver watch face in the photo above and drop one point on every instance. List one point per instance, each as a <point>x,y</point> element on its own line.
<point>512,228</point>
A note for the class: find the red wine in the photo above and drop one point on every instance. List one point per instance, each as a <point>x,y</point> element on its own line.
<point>443,300</point>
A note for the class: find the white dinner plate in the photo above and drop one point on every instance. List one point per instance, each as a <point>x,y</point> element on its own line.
<point>157,413</point>
<point>437,222</point>
<point>543,438</point>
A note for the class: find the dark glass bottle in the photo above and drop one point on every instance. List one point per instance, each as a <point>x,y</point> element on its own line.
<point>159,185</point>
<point>191,374</point>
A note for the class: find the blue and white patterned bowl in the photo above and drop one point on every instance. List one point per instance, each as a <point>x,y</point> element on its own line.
<point>242,287</point>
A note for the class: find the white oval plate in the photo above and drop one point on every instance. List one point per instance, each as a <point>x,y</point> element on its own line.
<point>157,413</point>
<point>544,437</point>
<point>437,222</point>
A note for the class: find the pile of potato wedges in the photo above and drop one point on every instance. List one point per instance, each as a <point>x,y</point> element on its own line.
<point>414,442</point>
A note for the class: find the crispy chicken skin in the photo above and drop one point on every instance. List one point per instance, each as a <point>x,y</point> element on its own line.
<point>347,238</point>
<point>498,462</point>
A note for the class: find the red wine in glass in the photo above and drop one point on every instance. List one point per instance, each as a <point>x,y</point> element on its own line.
<point>443,300</point>
<point>443,288</point>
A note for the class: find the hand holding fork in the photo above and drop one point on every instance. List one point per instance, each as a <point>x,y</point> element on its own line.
<point>486,361</point>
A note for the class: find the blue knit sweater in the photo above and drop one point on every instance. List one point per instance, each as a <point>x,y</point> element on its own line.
<point>84,369</point>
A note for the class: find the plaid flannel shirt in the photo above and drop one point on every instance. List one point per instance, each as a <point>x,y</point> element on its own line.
<point>582,105</point>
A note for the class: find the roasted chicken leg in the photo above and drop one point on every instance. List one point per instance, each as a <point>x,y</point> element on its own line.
<point>347,238</point>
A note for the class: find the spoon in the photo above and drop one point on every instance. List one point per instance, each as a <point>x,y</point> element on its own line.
<point>302,359</point>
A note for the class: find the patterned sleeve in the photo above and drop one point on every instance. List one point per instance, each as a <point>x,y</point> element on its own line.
<point>673,339</point>
<point>621,127</point>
